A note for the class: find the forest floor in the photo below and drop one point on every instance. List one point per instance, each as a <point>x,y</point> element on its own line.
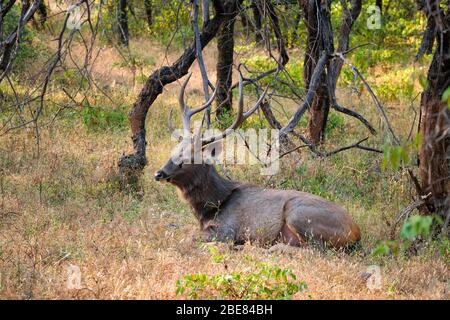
<point>63,209</point>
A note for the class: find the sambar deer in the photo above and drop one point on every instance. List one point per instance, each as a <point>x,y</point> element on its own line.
<point>230,211</point>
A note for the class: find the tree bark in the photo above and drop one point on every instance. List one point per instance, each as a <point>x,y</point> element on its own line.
<point>122,23</point>
<point>11,40</point>
<point>348,19</point>
<point>320,38</point>
<point>225,48</point>
<point>434,153</point>
<point>42,11</point>
<point>320,106</point>
<point>379,4</point>
<point>148,12</point>
<point>256,8</point>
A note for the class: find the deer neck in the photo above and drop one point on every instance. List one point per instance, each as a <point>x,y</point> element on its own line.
<point>207,191</point>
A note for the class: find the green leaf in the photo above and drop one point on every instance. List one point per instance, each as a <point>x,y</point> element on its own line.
<point>394,158</point>
<point>416,226</point>
<point>417,141</point>
<point>423,82</point>
<point>385,248</point>
<point>446,95</point>
<point>404,154</point>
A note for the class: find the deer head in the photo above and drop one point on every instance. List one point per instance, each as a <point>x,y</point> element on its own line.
<point>185,160</point>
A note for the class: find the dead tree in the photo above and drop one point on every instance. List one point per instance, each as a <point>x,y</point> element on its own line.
<point>132,165</point>
<point>434,153</point>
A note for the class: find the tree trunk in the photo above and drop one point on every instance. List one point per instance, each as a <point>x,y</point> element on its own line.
<point>122,22</point>
<point>320,38</point>
<point>315,45</point>
<point>256,8</point>
<point>348,19</point>
<point>42,11</point>
<point>148,12</point>
<point>225,48</point>
<point>434,153</point>
<point>379,4</point>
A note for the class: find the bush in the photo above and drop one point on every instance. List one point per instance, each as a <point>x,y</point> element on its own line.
<point>293,73</point>
<point>98,118</point>
<point>265,282</point>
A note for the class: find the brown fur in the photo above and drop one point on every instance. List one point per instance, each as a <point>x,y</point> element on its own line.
<point>231,211</point>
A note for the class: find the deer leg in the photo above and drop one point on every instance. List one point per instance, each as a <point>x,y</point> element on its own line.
<point>211,231</point>
<point>289,236</point>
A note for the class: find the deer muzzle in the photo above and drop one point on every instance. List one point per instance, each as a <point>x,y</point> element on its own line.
<point>161,176</point>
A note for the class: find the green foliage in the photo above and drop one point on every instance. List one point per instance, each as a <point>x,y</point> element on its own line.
<point>171,23</point>
<point>404,155</point>
<point>264,282</point>
<point>386,247</point>
<point>446,96</point>
<point>395,85</point>
<point>101,119</point>
<point>335,122</point>
<point>253,122</point>
<point>416,226</point>
<point>382,61</point>
<point>293,73</point>
<point>135,61</point>
<point>423,82</point>
<point>71,77</point>
<point>25,50</point>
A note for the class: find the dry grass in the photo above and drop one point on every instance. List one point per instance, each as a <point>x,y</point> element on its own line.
<point>64,207</point>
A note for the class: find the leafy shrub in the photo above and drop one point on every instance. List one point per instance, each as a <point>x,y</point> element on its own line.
<point>386,247</point>
<point>265,282</point>
<point>414,228</point>
<point>446,96</point>
<point>396,84</point>
<point>403,155</point>
<point>292,74</point>
<point>335,121</point>
<point>98,118</point>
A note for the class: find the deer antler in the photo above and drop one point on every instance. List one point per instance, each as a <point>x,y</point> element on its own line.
<point>188,113</point>
<point>241,117</point>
